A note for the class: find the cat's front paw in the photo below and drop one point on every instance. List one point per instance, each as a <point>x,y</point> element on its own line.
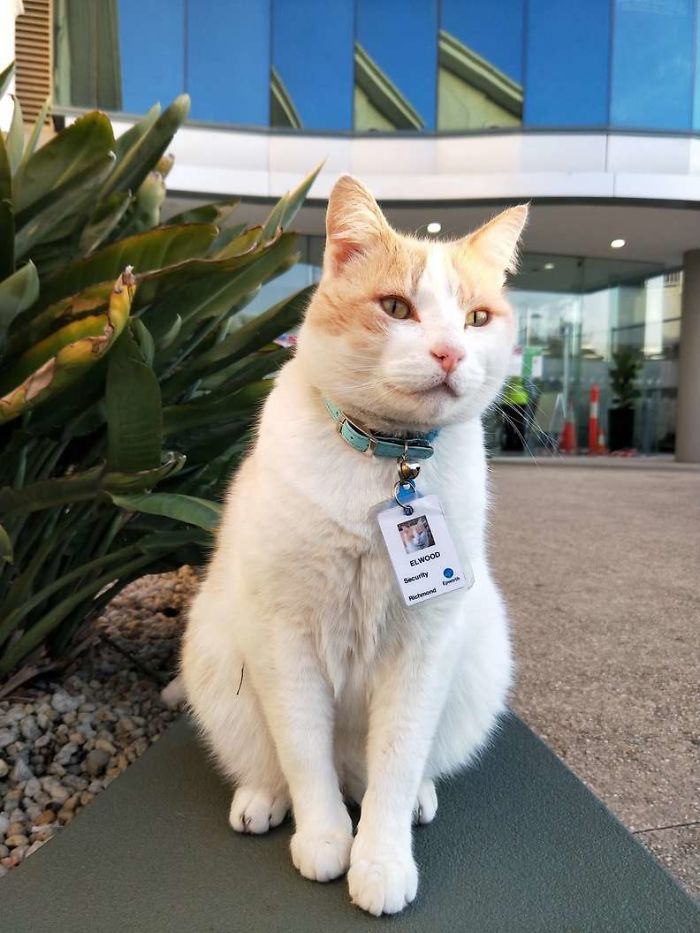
<point>321,855</point>
<point>256,809</point>
<point>382,881</point>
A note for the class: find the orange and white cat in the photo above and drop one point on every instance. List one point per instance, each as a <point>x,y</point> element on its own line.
<point>311,680</point>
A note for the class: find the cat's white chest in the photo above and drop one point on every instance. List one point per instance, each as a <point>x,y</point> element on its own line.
<point>355,616</point>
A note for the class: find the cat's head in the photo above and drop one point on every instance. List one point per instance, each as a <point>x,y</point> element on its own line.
<point>405,332</point>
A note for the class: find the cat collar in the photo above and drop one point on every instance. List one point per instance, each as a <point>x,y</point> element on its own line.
<point>361,439</point>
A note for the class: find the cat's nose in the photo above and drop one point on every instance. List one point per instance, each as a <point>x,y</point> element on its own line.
<point>447,355</point>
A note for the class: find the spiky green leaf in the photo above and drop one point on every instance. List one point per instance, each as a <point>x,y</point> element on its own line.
<point>66,355</point>
<point>145,252</point>
<point>70,153</point>
<point>284,212</point>
<point>134,417</point>
<point>17,293</point>
<point>7,215</point>
<point>124,143</point>
<point>66,207</point>
<point>5,547</point>
<point>258,332</point>
<point>35,133</point>
<point>216,213</point>
<point>138,160</point>
<point>15,137</point>
<point>103,221</point>
<point>5,78</point>
<point>189,509</point>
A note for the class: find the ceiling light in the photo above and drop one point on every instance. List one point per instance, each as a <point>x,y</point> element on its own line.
<point>618,244</point>
<point>434,227</point>
<point>548,266</point>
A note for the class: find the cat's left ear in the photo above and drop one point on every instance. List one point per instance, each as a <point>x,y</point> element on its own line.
<point>354,222</point>
<point>497,241</point>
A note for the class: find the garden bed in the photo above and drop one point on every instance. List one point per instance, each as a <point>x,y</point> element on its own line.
<point>63,739</point>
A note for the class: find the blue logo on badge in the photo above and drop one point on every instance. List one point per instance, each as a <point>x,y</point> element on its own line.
<point>448,572</point>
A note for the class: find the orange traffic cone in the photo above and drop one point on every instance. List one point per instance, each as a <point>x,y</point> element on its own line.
<point>567,441</point>
<point>593,420</point>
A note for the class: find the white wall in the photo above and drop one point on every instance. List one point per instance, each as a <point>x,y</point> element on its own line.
<point>496,166</point>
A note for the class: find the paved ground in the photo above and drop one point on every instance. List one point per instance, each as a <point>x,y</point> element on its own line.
<point>601,569</point>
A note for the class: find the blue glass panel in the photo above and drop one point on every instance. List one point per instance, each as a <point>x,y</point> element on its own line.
<point>494,30</point>
<point>152,46</point>
<point>228,60</point>
<point>696,88</point>
<point>652,64</point>
<point>568,57</point>
<point>481,64</point>
<point>401,41</point>
<point>312,58</point>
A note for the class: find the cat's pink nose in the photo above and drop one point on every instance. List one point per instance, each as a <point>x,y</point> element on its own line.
<point>447,355</point>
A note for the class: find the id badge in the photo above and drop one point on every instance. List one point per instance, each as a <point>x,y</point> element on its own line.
<point>422,552</point>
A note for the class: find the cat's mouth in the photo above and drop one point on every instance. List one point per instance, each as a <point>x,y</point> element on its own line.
<point>439,390</point>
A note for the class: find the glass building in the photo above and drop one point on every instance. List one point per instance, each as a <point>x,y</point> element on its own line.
<point>450,110</point>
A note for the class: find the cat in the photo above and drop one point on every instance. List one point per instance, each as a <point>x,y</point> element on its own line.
<point>310,679</point>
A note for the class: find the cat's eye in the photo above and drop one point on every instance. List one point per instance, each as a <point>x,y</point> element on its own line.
<point>478,317</point>
<point>395,307</point>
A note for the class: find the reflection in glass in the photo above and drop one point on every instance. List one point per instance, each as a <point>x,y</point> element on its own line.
<point>568,63</point>
<point>480,64</point>
<point>152,51</point>
<point>652,64</point>
<point>311,78</point>
<point>228,67</point>
<point>395,65</point>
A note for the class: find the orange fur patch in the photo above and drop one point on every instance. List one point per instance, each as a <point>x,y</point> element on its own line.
<point>347,302</point>
<point>480,283</point>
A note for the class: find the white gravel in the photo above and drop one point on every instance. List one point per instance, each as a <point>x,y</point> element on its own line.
<point>64,740</point>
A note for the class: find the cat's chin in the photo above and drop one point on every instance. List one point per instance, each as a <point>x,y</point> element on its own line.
<point>443,390</point>
<point>434,405</point>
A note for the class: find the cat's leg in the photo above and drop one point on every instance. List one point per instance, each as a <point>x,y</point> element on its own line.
<point>227,710</point>
<point>480,684</point>
<point>409,692</point>
<point>298,704</point>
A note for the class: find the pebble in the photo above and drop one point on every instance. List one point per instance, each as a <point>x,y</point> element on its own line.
<point>16,839</point>
<point>96,761</point>
<point>48,816</point>
<point>7,737</point>
<point>62,702</point>
<point>32,788</point>
<point>57,792</point>
<point>69,738</point>
<point>21,772</point>
<point>29,728</point>
<point>68,751</point>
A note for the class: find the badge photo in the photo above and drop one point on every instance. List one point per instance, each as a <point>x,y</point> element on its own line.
<point>422,551</point>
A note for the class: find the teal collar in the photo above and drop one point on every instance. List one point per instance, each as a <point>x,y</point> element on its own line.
<point>359,438</point>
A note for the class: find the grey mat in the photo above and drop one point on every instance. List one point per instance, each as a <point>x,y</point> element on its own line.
<point>519,844</point>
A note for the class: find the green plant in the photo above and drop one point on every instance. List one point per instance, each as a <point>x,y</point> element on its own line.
<point>623,377</point>
<point>124,366</point>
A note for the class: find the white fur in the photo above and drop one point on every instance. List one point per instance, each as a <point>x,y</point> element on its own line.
<point>307,674</point>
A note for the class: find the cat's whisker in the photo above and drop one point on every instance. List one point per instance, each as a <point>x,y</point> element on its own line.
<point>517,430</point>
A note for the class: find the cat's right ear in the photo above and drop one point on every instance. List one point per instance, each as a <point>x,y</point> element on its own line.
<point>354,222</point>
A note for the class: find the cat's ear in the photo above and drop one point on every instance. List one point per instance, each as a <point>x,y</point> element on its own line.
<point>497,241</point>
<point>354,222</point>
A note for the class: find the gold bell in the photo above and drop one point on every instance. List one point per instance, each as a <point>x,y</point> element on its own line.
<point>408,471</point>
